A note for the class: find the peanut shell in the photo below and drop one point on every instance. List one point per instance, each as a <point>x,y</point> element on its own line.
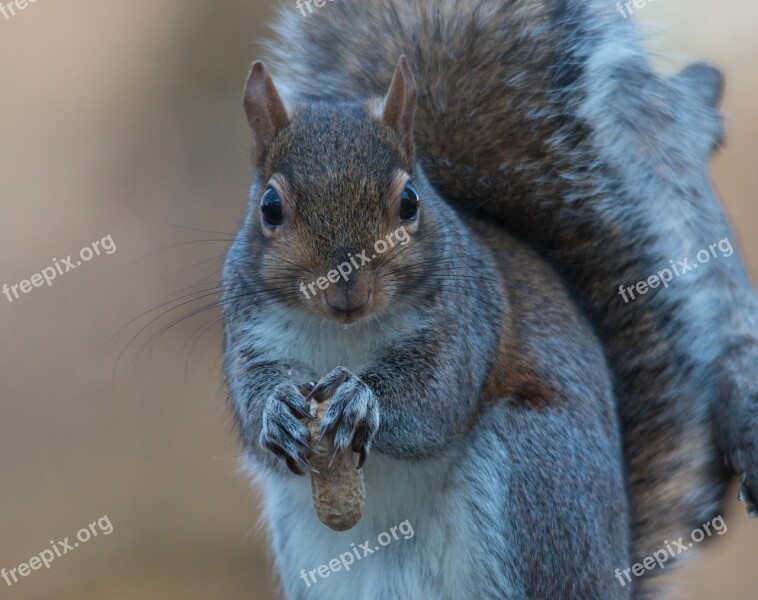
<point>338,491</point>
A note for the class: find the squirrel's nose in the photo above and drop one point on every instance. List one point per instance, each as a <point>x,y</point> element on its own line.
<point>348,302</point>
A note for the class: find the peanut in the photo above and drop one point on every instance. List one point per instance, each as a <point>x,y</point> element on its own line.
<point>338,491</point>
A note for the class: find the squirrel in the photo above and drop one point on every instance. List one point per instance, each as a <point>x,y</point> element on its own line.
<point>458,358</point>
<point>546,118</point>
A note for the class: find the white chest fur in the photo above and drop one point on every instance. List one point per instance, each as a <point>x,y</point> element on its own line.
<point>432,563</point>
<point>321,344</point>
<point>427,557</point>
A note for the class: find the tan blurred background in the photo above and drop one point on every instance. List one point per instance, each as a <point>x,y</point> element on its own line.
<point>123,119</point>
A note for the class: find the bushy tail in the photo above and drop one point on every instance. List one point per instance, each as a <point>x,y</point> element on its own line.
<point>545,115</point>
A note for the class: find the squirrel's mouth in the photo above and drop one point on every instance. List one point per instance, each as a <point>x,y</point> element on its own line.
<point>349,311</point>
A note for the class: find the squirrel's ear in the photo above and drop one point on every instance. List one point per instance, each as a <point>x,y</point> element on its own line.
<point>400,105</point>
<point>264,109</point>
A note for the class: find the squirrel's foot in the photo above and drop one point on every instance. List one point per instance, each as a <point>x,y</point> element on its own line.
<point>747,495</point>
<point>742,457</point>
<point>283,433</point>
<point>744,462</point>
<point>737,418</point>
<point>353,414</point>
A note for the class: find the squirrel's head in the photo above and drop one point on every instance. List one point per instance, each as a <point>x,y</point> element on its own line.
<point>335,211</point>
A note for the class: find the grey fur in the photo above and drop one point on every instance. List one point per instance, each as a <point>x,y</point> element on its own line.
<point>546,116</point>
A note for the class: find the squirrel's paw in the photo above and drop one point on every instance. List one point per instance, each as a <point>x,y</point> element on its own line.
<point>739,431</point>
<point>742,458</point>
<point>353,414</point>
<point>283,432</point>
<point>747,495</point>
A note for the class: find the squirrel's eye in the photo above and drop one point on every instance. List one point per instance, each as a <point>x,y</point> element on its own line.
<point>271,208</point>
<point>409,203</point>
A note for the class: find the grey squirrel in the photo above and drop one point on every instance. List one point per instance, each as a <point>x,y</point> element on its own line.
<point>457,358</point>
<point>545,117</point>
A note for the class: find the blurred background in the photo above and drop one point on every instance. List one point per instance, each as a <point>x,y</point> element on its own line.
<point>123,119</point>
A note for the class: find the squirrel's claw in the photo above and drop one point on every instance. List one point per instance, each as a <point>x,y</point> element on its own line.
<point>282,432</point>
<point>293,466</point>
<point>297,465</point>
<point>353,415</point>
<point>361,443</point>
<point>361,459</point>
<point>329,384</point>
<point>359,449</point>
<point>747,496</point>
